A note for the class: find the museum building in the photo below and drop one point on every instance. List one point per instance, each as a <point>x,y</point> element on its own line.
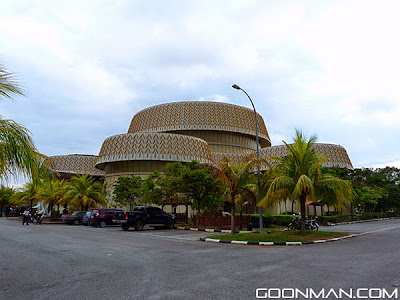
<point>182,132</point>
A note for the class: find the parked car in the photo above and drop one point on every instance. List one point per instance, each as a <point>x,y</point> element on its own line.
<point>86,218</point>
<point>103,216</point>
<point>74,218</point>
<point>145,215</point>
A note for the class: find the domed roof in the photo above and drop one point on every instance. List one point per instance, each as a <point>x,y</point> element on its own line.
<point>199,115</point>
<point>336,155</point>
<point>153,146</point>
<point>76,164</point>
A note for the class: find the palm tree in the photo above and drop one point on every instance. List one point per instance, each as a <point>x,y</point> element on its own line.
<point>84,192</point>
<point>299,178</point>
<point>237,177</point>
<point>30,193</point>
<point>18,153</point>
<point>8,85</point>
<point>5,197</point>
<point>53,192</point>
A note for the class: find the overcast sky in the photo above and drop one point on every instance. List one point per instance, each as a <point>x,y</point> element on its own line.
<point>330,68</point>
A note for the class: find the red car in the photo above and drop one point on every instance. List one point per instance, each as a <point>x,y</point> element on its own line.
<point>75,218</point>
<point>103,216</point>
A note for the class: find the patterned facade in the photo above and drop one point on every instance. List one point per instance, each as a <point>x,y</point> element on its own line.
<point>335,155</point>
<point>200,116</point>
<point>181,132</point>
<point>145,146</point>
<point>76,164</point>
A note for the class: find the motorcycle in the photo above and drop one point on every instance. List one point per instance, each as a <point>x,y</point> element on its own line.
<point>312,224</point>
<point>296,224</point>
<point>37,219</point>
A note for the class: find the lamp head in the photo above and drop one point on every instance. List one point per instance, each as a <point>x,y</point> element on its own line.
<point>235,86</point>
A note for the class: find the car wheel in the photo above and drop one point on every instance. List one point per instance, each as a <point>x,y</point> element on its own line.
<point>125,227</point>
<point>170,225</point>
<point>76,222</point>
<point>139,225</point>
<point>102,224</point>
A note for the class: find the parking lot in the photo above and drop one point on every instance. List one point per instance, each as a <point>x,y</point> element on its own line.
<point>79,262</point>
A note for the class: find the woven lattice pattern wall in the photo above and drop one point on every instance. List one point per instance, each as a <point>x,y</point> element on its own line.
<point>336,156</point>
<point>199,115</point>
<point>232,157</point>
<point>76,164</point>
<point>153,146</point>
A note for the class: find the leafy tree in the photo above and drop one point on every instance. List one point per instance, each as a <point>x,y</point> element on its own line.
<point>127,190</point>
<point>369,183</point>
<point>369,198</point>
<point>84,192</point>
<point>201,184</point>
<point>5,197</point>
<point>18,153</point>
<point>170,184</point>
<point>151,192</point>
<point>237,178</point>
<point>300,178</point>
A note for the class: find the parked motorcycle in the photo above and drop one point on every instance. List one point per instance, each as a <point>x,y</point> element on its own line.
<point>312,224</point>
<point>296,224</point>
<point>37,219</point>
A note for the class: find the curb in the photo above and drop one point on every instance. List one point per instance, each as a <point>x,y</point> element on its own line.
<point>212,230</point>
<point>362,221</point>
<point>281,243</point>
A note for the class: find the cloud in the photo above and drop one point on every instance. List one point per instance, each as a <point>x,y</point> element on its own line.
<point>327,68</point>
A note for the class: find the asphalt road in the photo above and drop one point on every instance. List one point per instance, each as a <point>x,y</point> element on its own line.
<point>78,262</point>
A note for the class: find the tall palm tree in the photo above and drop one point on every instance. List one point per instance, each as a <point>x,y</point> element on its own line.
<point>30,193</point>
<point>237,177</point>
<point>53,192</point>
<point>18,153</point>
<point>84,192</point>
<point>300,178</point>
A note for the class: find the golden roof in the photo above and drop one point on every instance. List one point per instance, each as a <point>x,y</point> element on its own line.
<point>336,156</point>
<point>76,164</point>
<point>153,146</point>
<point>199,115</point>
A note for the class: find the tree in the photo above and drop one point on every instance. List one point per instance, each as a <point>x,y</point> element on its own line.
<point>378,189</point>
<point>5,197</point>
<point>18,153</point>
<point>9,86</point>
<point>151,192</point>
<point>53,192</point>
<point>84,192</point>
<point>300,178</point>
<point>30,193</point>
<point>369,198</point>
<point>170,184</point>
<point>237,178</point>
<point>201,184</point>
<point>127,190</point>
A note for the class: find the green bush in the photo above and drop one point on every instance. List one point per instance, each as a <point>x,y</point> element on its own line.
<point>282,220</point>
<point>323,220</point>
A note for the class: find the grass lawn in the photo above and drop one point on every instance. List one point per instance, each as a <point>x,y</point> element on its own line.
<point>279,236</point>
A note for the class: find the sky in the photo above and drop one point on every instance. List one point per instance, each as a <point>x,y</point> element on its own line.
<point>329,68</point>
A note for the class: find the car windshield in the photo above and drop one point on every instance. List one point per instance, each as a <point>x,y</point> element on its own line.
<point>75,213</point>
<point>138,209</point>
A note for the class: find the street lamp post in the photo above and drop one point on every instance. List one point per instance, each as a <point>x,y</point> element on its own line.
<point>235,86</point>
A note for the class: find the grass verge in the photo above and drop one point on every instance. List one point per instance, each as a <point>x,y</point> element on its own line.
<point>280,236</point>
